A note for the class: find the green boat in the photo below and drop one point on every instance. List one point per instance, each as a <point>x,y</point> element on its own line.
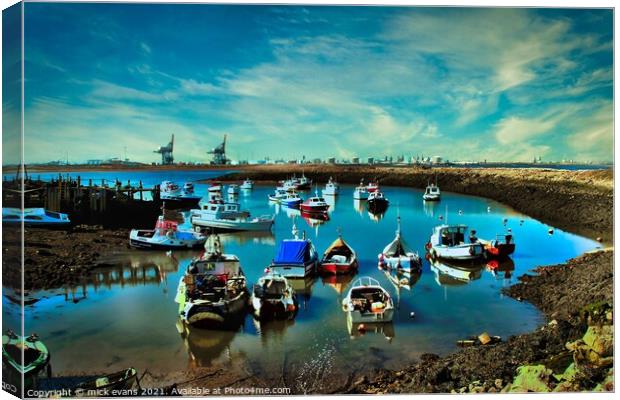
<point>36,355</point>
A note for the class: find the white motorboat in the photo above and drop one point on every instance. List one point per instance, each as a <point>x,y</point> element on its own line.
<point>233,189</point>
<point>291,200</point>
<point>39,217</point>
<point>247,184</point>
<point>278,195</point>
<point>452,242</point>
<point>178,197</point>
<point>212,292</point>
<point>432,193</point>
<point>215,187</point>
<point>368,302</point>
<point>165,236</point>
<point>398,255</point>
<point>296,258</point>
<point>331,188</point>
<point>273,297</point>
<point>361,192</point>
<point>222,216</point>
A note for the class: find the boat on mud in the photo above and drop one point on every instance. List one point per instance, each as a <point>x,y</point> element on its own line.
<point>247,184</point>
<point>499,248</point>
<point>102,386</point>
<point>273,297</point>
<point>397,255</point>
<point>432,193</point>
<point>35,217</point>
<point>296,258</point>
<point>339,258</point>
<point>212,293</point>
<point>367,301</point>
<point>377,202</point>
<point>178,197</point>
<point>218,215</point>
<point>331,188</point>
<point>36,356</point>
<point>360,192</point>
<point>451,242</point>
<point>314,205</point>
<point>166,236</point>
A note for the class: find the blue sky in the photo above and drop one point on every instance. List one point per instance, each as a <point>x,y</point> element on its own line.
<point>496,84</point>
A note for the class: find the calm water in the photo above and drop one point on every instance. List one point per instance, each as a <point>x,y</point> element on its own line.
<point>126,315</point>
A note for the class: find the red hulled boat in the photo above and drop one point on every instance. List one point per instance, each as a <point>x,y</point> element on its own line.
<point>339,258</point>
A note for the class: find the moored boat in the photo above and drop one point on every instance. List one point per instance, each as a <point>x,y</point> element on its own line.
<point>314,204</point>
<point>178,197</point>
<point>331,188</point>
<point>165,236</point>
<point>377,202</point>
<point>247,184</point>
<point>233,189</point>
<point>368,301</point>
<point>222,216</point>
<point>36,356</point>
<point>273,297</point>
<point>339,258</point>
<point>278,194</point>
<point>212,292</point>
<point>361,192</point>
<point>296,258</point>
<point>450,242</point>
<point>499,248</point>
<point>398,255</point>
<point>372,186</point>
<point>291,200</point>
<point>215,187</point>
<point>432,193</point>
<point>36,217</point>
<point>103,386</point>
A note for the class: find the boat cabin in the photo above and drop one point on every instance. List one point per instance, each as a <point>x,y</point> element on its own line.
<point>432,190</point>
<point>452,235</point>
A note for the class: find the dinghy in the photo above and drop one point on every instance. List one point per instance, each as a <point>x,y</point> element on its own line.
<point>165,236</point>
<point>103,386</point>
<point>36,355</point>
<point>367,302</point>
<point>35,217</point>
<point>398,255</point>
<point>273,297</point>
<point>339,258</point>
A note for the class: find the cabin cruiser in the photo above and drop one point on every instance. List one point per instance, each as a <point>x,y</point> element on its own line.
<point>377,202</point>
<point>247,184</point>
<point>432,193</point>
<point>273,297</point>
<point>278,194</point>
<point>219,215</point>
<point>367,302</point>
<point>215,187</point>
<point>331,188</point>
<point>233,189</point>
<point>451,242</point>
<point>314,204</point>
<point>165,236</point>
<point>38,217</point>
<point>212,292</point>
<point>296,258</point>
<point>177,197</point>
<point>339,258</point>
<point>398,255</point>
<point>361,192</point>
<point>291,200</point>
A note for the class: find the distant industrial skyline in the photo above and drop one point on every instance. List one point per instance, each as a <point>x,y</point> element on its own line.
<point>282,82</point>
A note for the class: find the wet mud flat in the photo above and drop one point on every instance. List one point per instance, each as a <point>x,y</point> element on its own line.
<point>576,297</point>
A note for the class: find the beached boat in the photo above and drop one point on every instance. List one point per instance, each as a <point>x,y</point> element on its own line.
<point>432,193</point>
<point>36,217</point>
<point>165,236</point>
<point>377,202</point>
<point>296,258</point>
<point>247,184</point>
<point>178,197</point>
<point>212,292</point>
<point>331,188</point>
<point>398,255</point>
<point>221,216</point>
<point>36,356</point>
<point>361,192</point>
<point>501,247</point>
<point>104,385</point>
<point>233,189</point>
<point>367,301</point>
<point>314,204</point>
<point>291,200</point>
<point>273,297</point>
<point>450,242</point>
<point>339,258</point>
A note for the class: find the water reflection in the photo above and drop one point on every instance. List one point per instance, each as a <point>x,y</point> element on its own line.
<point>358,330</point>
<point>303,290</point>
<point>402,281</point>
<point>338,282</point>
<point>429,208</point>
<point>273,330</point>
<point>501,269</point>
<point>204,346</point>
<point>376,216</point>
<point>359,206</point>
<point>453,274</point>
<point>245,238</point>
<point>331,201</point>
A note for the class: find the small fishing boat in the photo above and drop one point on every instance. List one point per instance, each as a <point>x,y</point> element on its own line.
<point>36,356</point>
<point>35,217</point>
<point>314,204</point>
<point>296,258</point>
<point>331,188</point>
<point>372,187</point>
<point>215,187</point>
<point>432,193</point>
<point>221,216</point>
<point>367,302</point>
<point>273,297</point>
<point>499,248</point>
<point>449,242</point>
<point>377,202</point>
<point>247,184</point>
<point>291,200</point>
<point>178,197</point>
<point>398,255</point>
<point>278,195</point>
<point>165,236</point>
<point>104,385</point>
<point>339,258</point>
<point>303,183</point>
<point>233,189</point>
<point>212,292</point>
<point>361,192</point>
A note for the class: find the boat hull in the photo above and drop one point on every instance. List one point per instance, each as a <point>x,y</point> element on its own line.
<point>377,205</point>
<point>499,251</point>
<point>360,195</point>
<point>468,252</point>
<point>431,197</point>
<point>295,271</point>
<point>141,244</point>
<point>232,226</point>
<point>329,268</point>
<point>313,209</point>
<point>216,316</point>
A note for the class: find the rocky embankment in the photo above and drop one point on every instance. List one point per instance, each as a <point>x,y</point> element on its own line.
<point>575,201</point>
<point>572,352</point>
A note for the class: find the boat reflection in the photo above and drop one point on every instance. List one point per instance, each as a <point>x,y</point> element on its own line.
<point>338,282</point>
<point>331,201</point>
<point>452,274</point>
<point>402,281</point>
<point>246,237</point>
<point>359,206</point>
<point>272,330</point>
<point>315,220</point>
<point>205,346</point>
<point>429,208</point>
<point>358,330</point>
<point>376,217</point>
<point>501,269</point>
<point>303,290</point>
<point>292,212</point>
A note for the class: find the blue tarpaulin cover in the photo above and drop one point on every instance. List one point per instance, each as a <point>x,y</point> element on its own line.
<point>292,252</point>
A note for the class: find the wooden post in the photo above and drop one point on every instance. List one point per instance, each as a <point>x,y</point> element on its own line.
<point>141,188</point>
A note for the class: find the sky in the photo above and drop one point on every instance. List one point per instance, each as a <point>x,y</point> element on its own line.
<point>292,81</point>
